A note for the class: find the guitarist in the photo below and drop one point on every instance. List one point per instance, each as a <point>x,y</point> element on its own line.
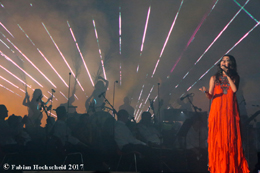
<point>96,101</point>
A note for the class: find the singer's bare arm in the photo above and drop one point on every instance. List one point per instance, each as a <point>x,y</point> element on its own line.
<point>26,100</point>
<point>209,93</point>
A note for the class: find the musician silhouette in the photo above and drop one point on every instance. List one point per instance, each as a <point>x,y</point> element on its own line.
<point>126,106</point>
<point>96,101</point>
<point>34,112</point>
<point>34,107</point>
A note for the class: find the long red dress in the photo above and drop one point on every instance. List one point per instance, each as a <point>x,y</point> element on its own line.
<point>224,138</point>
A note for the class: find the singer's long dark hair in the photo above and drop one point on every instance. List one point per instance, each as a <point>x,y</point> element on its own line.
<point>232,69</point>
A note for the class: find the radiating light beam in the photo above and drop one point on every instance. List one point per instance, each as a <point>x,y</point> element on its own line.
<point>145,29</point>
<point>149,95</point>
<point>144,35</point>
<point>120,41</point>
<point>100,54</point>
<point>141,93</point>
<point>9,59</point>
<point>9,90</point>
<point>82,58</point>
<point>137,118</point>
<point>63,95</point>
<point>221,32</point>
<point>225,54</point>
<point>25,34</point>
<point>32,63</point>
<point>76,97</point>
<point>2,5</point>
<point>64,59</point>
<point>165,43</point>
<point>43,56</point>
<point>6,29</point>
<point>120,74</point>
<point>15,76</point>
<point>214,40</point>
<point>250,15</point>
<point>6,45</point>
<point>53,68</point>
<point>194,34</point>
<point>9,82</point>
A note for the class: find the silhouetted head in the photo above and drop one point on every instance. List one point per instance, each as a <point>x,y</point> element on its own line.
<point>123,116</point>
<point>3,112</point>
<point>127,100</point>
<point>15,121</point>
<point>146,117</point>
<point>61,112</point>
<point>100,85</point>
<point>37,94</point>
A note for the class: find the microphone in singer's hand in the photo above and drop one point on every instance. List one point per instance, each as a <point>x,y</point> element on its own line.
<point>53,90</point>
<point>101,94</point>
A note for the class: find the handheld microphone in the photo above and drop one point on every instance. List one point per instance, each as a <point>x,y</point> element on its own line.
<point>53,90</point>
<point>188,95</point>
<point>226,67</point>
<point>101,94</point>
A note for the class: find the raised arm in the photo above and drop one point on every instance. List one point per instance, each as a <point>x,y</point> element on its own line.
<point>26,99</point>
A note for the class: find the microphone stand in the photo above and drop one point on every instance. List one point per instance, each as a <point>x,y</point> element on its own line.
<point>114,111</point>
<point>160,129</point>
<point>69,93</point>
<point>196,114</point>
<point>52,91</point>
<point>114,94</point>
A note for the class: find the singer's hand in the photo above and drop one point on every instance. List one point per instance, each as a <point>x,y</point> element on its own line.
<point>225,70</point>
<point>226,73</point>
<point>203,89</point>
